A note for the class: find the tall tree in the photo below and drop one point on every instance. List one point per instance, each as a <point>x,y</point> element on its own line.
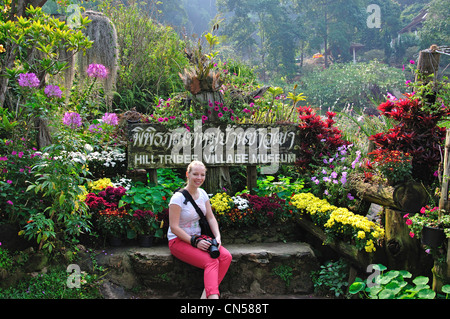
<point>266,27</point>
<point>436,29</point>
<point>334,22</point>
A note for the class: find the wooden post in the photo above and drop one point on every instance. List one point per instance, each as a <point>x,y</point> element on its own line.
<point>402,251</point>
<point>441,273</point>
<point>152,176</point>
<point>251,178</point>
<point>428,64</point>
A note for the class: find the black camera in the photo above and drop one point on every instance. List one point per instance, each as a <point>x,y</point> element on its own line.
<point>213,249</point>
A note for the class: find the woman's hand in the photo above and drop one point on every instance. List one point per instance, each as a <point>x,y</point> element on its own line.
<point>219,241</point>
<point>203,245</point>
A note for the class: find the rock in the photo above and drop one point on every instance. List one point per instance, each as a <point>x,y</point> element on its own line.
<point>111,291</point>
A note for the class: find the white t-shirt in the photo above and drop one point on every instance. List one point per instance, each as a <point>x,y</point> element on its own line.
<point>189,217</point>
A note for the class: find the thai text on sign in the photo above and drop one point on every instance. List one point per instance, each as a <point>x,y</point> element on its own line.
<point>156,146</point>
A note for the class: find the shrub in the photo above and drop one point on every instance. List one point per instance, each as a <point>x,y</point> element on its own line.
<point>331,278</point>
<point>318,137</point>
<point>416,133</point>
<point>357,85</point>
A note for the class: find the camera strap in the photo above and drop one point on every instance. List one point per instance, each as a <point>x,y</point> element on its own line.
<point>206,230</point>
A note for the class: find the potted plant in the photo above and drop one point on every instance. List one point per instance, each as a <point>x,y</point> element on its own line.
<point>146,226</point>
<point>429,226</point>
<point>113,223</point>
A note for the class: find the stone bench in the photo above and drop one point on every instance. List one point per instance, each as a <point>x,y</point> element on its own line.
<point>257,269</point>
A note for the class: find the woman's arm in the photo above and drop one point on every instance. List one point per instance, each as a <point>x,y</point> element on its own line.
<point>174,222</point>
<point>212,222</point>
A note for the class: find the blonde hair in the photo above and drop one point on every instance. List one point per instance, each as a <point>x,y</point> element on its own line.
<point>195,163</point>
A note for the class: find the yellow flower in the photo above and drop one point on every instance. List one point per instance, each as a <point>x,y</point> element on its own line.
<point>370,246</point>
<point>2,49</point>
<point>220,202</point>
<point>100,184</point>
<point>339,218</point>
<point>82,197</point>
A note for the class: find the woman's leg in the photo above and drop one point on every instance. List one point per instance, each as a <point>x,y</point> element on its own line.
<point>215,269</point>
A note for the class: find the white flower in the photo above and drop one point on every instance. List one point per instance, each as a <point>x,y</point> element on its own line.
<point>240,202</point>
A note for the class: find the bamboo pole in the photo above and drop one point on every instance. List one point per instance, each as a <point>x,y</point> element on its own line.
<point>443,200</point>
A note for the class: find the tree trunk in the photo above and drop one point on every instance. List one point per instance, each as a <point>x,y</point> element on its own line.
<point>43,138</point>
<point>402,251</point>
<point>217,178</point>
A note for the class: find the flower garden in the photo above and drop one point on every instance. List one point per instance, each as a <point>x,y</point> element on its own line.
<point>65,183</point>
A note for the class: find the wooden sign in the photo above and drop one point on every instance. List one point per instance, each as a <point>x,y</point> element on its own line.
<point>153,146</point>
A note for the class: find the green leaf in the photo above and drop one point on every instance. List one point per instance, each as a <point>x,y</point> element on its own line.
<point>138,199</point>
<point>446,289</point>
<point>386,278</point>
<point>426,294</point>
<point>379,267</point>
<point>386,294</point>
<point>405,274</point>
<point>356,287</point>
<point>421,280</point>
<point>62,198</point>
<point>393,287</point>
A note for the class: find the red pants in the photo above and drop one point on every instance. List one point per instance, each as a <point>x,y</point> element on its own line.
<point>215,269</point>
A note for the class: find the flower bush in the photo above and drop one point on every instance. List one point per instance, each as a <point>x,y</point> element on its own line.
<point>330,178</point>
<point>416,133</point>
<point>62,217</point>
<point>145,222</point>
<point>248,210</point>
<point>395,166</point>
<point>339,222</point>
<point>113,222</point>
<point>318,137</point>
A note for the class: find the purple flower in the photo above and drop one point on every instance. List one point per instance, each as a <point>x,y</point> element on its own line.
<point>95,128</point>
<point>334,175</point>
<point>53,90</point>
<point>72,119</point>
<point>350,197</point>
<point>28,80</point>
<point>97,71</point>
<point>110,119</point>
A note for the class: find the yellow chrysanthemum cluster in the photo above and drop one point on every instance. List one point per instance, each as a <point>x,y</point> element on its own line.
<point>82,196</point>
<point>221,202</point>
<point>100,184</point>
<point>339,219</point>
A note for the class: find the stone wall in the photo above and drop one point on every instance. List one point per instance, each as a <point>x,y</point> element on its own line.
<point>257,269</point>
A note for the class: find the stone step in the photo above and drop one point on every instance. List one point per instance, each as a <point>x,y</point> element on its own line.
<point>257,269</point>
